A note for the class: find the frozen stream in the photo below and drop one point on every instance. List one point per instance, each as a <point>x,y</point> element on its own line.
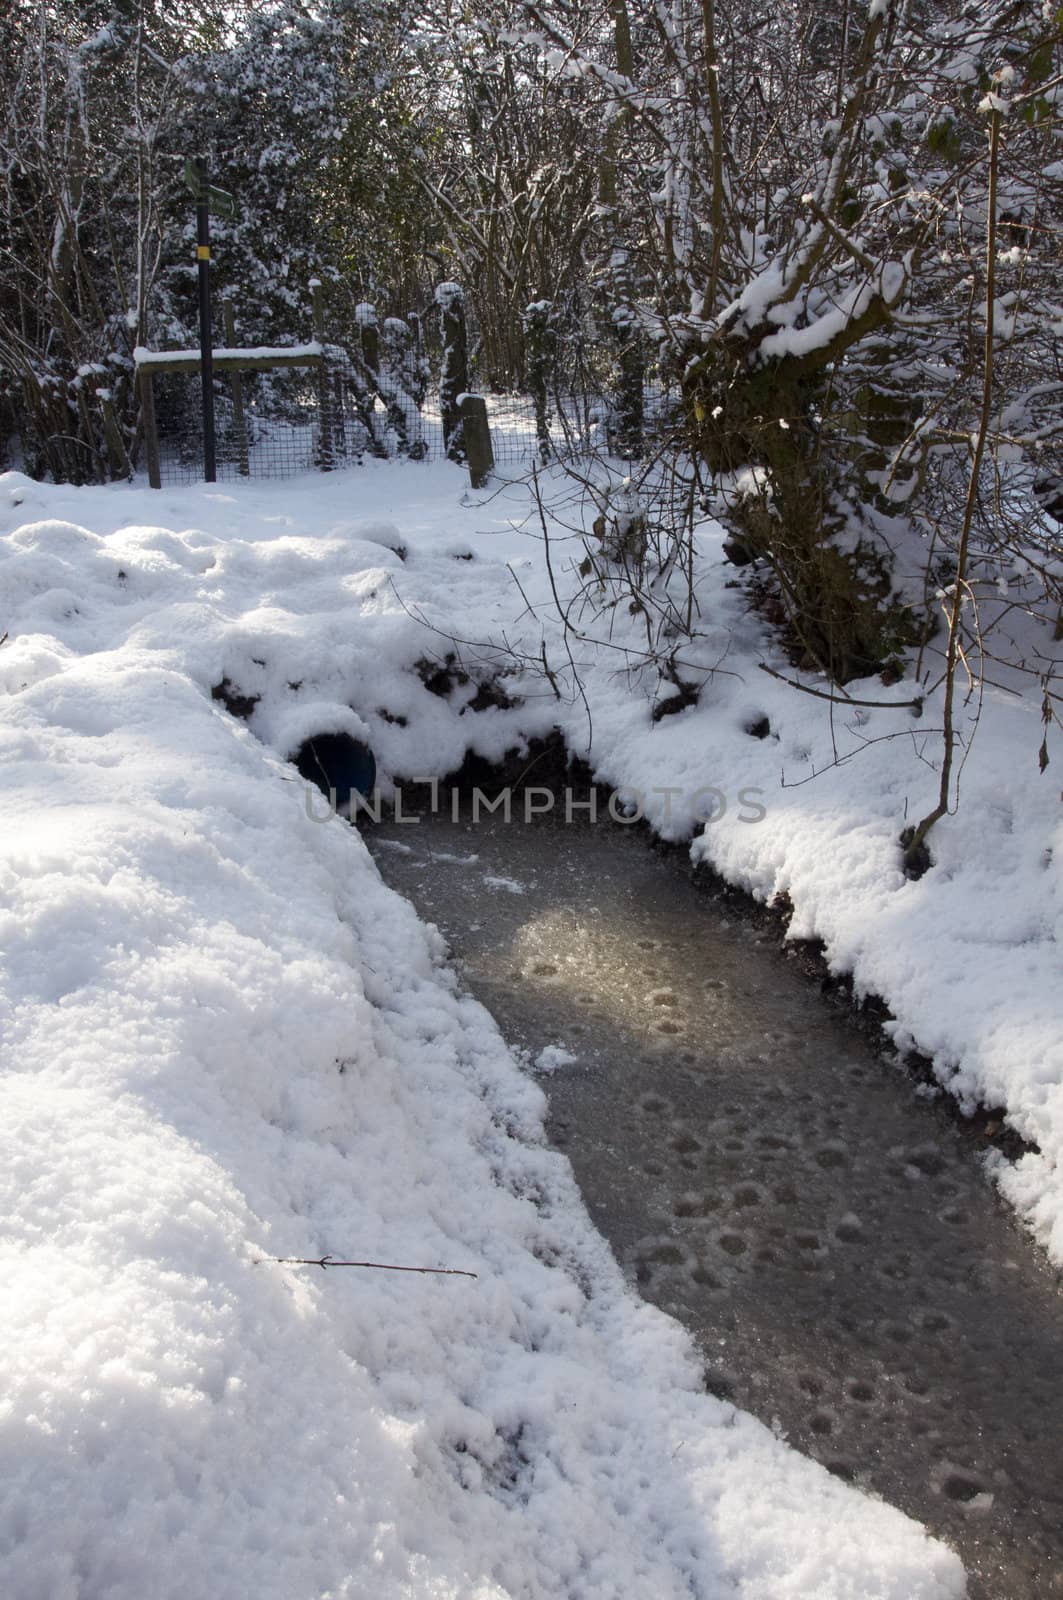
<point>764,1174</point>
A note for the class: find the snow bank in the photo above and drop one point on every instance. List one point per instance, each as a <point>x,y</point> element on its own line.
<point>226,1040</point>
<point>968,957</point>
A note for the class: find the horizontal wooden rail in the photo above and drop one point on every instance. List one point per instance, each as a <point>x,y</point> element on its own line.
<point>158,361</point>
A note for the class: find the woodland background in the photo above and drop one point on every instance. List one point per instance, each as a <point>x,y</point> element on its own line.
<point>832,226</point>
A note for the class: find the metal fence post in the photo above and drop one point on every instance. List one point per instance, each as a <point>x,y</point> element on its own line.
<point>206,335</point>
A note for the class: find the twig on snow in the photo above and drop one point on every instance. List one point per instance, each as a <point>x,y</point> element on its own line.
<point>379,1266</point>
<point>844,699</point>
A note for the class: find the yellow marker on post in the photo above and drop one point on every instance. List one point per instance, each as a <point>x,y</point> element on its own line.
<point>202,252</point>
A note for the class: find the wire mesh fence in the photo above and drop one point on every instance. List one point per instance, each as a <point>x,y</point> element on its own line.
<point>382,397</point>
<point>306,435</point>
<point>573,424</point>
<point>269,432</point>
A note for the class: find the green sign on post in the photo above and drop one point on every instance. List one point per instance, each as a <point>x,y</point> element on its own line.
<point>219,201</point>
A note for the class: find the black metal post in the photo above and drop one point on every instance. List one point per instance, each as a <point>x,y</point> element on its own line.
<point>206,340</point>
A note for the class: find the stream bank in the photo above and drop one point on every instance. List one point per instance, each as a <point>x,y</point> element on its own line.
<point>766,1173</point>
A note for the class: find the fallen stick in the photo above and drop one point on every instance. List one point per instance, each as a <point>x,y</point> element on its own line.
<point>379,1266</point>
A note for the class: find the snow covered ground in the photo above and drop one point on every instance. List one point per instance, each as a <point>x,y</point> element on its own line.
<point>225,1040</point>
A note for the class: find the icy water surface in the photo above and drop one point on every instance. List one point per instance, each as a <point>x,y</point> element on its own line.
<point>767,1176</point>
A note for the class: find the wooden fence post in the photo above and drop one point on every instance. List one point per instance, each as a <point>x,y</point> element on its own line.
<point>476,437</point>
<point>116,450</point>
<point>454,377</point>
<point>369,331</point>
<point>419,366</point>
<point>88,434</point>
<point>151,432</point>
<point>243,460</point>
<point>324,399</point>
<point>628,405</point>
<point>540,343</point>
